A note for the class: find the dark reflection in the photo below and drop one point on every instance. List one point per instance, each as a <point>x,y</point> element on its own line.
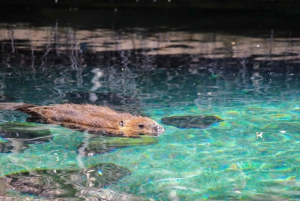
<point>99,98</point>
<point>199,86</point>
<point>190,121</point>
<point>69,184</point>
<point>4,98</point>
<point>20,135</point>
<point>115,101</point>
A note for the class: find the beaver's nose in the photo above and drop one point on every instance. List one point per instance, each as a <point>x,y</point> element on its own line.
<point>158,129</point>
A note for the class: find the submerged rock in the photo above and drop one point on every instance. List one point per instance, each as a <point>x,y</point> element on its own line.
<point>100,144</point>
<point>65,183</point>
<point>190,121</point>
<point>5,147</point>
<point>69,184</point>
<point>18,135</point>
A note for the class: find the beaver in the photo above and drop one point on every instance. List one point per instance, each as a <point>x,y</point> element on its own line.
<point>90,118</point>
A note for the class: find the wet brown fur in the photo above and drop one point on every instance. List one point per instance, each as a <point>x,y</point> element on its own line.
<point>90,118</point>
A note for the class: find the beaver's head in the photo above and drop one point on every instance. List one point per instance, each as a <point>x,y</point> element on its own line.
<point>138,125</point>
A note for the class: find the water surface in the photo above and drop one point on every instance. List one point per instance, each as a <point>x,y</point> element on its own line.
<point>250,80</point>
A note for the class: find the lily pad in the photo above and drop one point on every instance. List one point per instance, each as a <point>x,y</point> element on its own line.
<point>100,144</point>
<point>190,121</point>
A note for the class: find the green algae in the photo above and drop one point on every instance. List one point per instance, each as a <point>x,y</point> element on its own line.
<point>122,141</point>
<point>24,129</point>
<point>3,141</point>
<point>101,144</point>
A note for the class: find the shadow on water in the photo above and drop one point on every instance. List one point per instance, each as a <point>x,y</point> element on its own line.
<point>242,68</point>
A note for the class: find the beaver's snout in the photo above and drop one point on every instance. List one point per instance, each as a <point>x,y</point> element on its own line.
<point>158,129</point>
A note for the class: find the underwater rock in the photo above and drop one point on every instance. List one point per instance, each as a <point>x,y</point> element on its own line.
<point>190,121</point>
<point>69,184</point>
<point>100,144</point>
<point>117,102</point>
<point>5,147</point>
<point>18,135</point>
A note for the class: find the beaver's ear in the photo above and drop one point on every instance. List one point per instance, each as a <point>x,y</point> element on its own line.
<point>121,123</point>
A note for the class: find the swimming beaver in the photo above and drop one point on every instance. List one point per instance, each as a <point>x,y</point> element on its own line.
<point>90,118</point>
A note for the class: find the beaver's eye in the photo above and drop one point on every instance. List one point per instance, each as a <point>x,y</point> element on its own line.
<point>121,123</point>
<point>141,126</point>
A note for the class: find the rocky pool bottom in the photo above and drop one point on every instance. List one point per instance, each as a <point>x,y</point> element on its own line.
<point>251,155</point>
<point>76,183</point>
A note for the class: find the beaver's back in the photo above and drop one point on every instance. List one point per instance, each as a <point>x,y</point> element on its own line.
<point>90,115</point>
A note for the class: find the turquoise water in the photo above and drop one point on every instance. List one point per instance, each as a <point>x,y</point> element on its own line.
<point>251,155</point>
<point>249,80</point>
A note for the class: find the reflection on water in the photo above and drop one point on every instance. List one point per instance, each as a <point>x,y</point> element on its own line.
<point>43,46</point>
<point>250,81</point>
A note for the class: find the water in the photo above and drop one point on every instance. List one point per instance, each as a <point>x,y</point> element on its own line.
<point>250,80</point>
